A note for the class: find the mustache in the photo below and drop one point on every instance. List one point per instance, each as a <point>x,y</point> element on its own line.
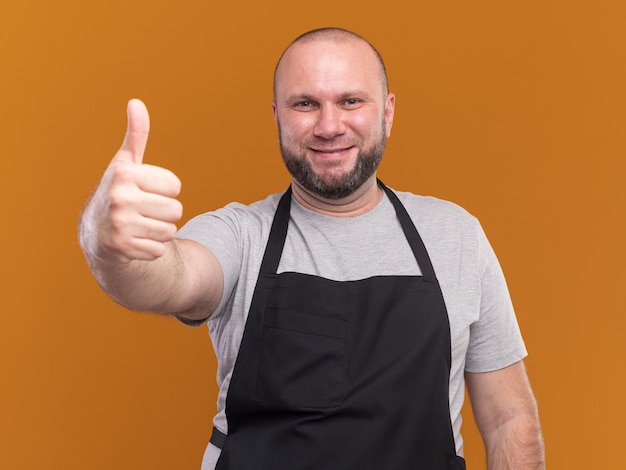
<point>319,143</point>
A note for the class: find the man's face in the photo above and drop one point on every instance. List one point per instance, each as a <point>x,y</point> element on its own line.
<point>333,115</point>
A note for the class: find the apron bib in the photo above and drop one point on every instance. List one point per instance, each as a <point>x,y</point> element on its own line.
<point>334,375</point>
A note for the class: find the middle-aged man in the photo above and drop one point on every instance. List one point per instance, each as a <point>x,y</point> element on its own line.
<point>346,317</point>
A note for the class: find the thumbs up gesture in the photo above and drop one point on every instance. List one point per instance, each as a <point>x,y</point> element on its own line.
<point>133,212</point>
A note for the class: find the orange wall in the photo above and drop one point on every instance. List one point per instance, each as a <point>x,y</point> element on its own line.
<point>515,110</point>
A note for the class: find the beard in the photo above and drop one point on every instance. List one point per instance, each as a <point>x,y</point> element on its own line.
<point>337,186</point>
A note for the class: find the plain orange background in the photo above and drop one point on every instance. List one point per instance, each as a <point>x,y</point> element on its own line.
<point>515,110</point>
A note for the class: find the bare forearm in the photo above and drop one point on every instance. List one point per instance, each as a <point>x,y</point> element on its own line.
<point>186,280</point>
<point>152,286</point>
<point>508,419</point>
<point>516,445</point>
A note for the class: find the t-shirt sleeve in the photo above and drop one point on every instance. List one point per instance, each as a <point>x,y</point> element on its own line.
<point>219,232</point>
<point>495,338</point>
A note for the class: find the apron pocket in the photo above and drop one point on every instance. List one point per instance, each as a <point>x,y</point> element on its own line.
<point>302,360</point>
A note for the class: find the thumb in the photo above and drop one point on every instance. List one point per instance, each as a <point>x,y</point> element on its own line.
<point>136,139</point>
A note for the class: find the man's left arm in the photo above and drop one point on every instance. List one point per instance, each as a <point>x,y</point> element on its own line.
<point>506,414</point>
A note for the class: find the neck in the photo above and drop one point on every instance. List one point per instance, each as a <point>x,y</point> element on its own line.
<point>358,203</point>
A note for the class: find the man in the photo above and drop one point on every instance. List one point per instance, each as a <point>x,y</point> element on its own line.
<point>345,315</point>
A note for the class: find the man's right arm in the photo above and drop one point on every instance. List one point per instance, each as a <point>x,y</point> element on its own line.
<point>127,232</point>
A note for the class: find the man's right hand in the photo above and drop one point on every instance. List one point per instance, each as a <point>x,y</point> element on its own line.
<point>133,212</point>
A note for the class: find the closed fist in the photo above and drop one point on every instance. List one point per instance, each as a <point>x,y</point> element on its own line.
<point>134,210</point>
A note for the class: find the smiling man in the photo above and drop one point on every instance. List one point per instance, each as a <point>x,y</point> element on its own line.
<point>334,114</point>
<point>346,317</point>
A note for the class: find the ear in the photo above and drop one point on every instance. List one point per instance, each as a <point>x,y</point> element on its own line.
<point>390,106</point>
<point>275,112</point>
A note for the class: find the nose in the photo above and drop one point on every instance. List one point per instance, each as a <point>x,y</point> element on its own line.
<point>329,123</point>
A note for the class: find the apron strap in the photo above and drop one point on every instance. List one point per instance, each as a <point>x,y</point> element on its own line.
<point>411,234</point>
<point>278,234</point>
<point>218,438</point>
<point>280,224</point>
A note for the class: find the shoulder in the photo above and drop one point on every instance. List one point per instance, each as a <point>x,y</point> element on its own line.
<point>257,210</point>
<point>453,237</point>
<point>235,215</point>
<point>427,211</point>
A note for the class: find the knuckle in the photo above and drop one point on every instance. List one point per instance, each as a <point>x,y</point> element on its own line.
<point>121,198</point>
<point>118,200</point>
<point>118,223</point>
<point>122,171</point>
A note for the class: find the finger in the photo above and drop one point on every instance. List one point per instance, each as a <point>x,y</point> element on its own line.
<point>157,180</point>
<point>142,239</point>
<point>156,230</point>
<point>145,249</point>
<point>149,241</point>
<point>136,138</point>
<point>160,208</point>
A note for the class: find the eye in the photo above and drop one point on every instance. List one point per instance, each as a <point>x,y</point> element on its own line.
<point>303,105</point>
<point>352,103</point>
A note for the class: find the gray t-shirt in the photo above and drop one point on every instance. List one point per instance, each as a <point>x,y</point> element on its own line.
<point>484,331</point>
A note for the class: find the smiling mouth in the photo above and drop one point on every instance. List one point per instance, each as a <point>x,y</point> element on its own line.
<point>331,151</point>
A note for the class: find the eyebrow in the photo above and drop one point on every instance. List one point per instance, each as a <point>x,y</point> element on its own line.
<point>356,93</point>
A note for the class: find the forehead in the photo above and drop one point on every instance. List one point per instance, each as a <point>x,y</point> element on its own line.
<point>328,66</point>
